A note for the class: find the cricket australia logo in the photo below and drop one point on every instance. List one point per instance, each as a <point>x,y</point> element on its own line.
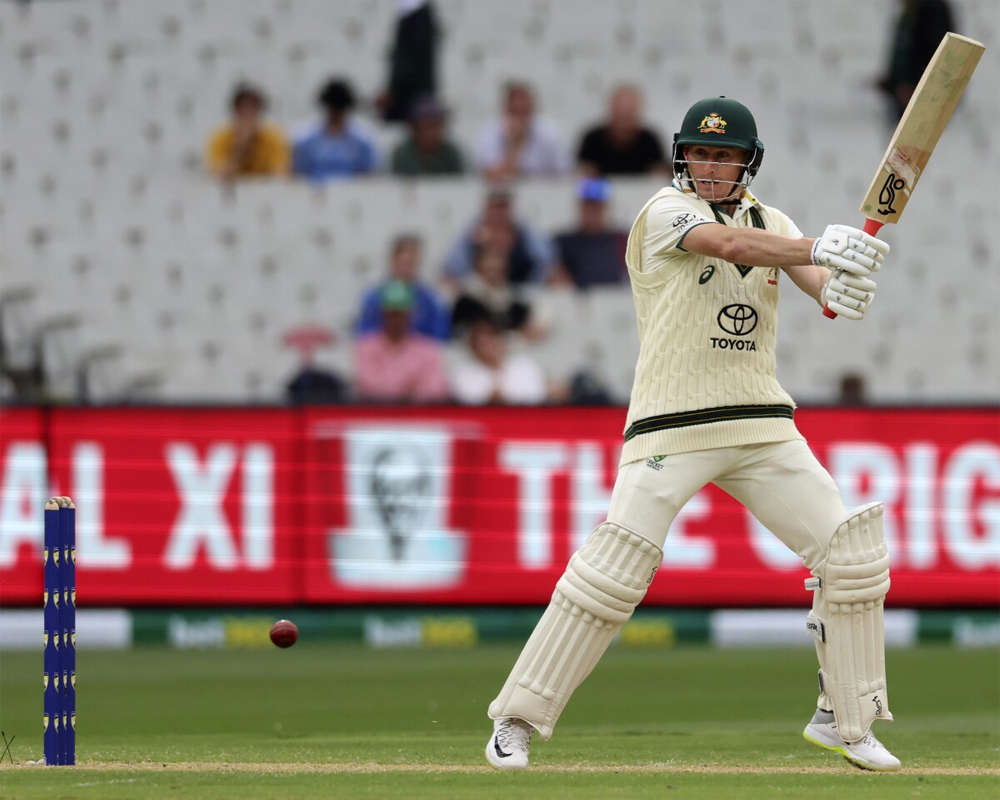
<point>713,123</point>
<point>887,196</point>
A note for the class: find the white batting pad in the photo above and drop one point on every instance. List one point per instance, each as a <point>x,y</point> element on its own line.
<point>603,583</point>
<point>847,622</point>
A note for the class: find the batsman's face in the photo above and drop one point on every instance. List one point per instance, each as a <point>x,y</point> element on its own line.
<point>716,171</point>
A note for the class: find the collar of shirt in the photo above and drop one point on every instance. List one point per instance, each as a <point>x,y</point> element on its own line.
<point>746,202</point>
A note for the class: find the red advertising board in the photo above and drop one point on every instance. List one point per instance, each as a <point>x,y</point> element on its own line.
<point>351,505</point>
<point>172,505</point>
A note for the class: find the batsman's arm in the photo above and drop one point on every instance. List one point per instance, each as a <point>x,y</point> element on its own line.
<point>808,262</point>
<point>810,278</point>
<point>750,246</point>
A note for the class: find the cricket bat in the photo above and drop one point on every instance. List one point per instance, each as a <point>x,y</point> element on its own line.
<point>925,118</point>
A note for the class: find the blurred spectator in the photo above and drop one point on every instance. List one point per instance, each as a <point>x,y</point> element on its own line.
<point>489,294</point>
<point>336,147</point>
<point>852,390</point>
<point>488,374</point>
<point>429,315</point>
<point>412,61</point>
<point>592,253</point>
<point>313,384</point>
<point>916,34</point>
<point>246,147</point>
<point>587,389</point>
<point>529,254</point>
<point>622,145</point>
<point>394,364</point>
<point>427,150</point>
<point>519,142</point>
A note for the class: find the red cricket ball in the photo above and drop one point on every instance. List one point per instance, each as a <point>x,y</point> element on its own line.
<point>284,633</point>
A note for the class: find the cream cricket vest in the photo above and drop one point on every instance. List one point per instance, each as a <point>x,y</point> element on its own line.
<point>705,376</point>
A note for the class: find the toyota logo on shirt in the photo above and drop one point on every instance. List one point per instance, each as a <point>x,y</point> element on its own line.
<point>737,319</point>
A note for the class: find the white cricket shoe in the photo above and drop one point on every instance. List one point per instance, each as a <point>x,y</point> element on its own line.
<point>508,746</point>
<point>867,753</point>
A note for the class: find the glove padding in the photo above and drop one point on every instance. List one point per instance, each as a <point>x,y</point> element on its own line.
<point>844,248</point>
<point>848,295</point>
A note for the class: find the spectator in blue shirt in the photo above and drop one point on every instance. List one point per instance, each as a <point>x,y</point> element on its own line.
<point>529,254</point>
<point>593,252</point>
<point>337,147</point>
<point>429,315</point>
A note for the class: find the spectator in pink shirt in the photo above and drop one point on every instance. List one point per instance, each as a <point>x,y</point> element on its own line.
<point>396,365</point>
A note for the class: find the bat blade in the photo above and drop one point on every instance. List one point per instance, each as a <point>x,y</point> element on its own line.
<point>925,118</point>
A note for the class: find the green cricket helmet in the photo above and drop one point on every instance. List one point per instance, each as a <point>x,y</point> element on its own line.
<point>719,122</point>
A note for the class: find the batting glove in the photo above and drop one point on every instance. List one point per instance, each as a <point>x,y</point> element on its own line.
<point>848,295</point>
<point>849,249</point>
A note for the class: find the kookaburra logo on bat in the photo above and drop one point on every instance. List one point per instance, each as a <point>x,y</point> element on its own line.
<point>887,196</point>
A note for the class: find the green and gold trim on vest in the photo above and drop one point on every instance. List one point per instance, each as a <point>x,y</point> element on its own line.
<point>755,216</point>
<point>704,416</point>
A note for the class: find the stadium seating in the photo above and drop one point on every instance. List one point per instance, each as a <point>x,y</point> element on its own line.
<point>149,281</point>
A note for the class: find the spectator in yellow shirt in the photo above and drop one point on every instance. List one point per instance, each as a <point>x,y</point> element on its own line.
<point>247,147</point>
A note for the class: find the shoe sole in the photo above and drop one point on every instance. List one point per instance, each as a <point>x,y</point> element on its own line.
<point>840,749</point>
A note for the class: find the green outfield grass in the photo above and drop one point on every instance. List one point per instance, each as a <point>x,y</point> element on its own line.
<point>346,722</point>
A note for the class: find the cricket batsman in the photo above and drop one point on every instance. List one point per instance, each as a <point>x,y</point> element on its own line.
<point>704,257</point>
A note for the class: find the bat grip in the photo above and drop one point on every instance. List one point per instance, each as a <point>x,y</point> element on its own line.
<point>872,227</point>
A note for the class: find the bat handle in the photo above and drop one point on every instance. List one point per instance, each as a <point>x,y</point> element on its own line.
<point>872,227</point>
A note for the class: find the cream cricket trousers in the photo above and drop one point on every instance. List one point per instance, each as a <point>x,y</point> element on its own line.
<point>781,483</point>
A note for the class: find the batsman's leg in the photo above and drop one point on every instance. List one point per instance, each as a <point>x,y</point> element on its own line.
<point>603,583</point>
<point>790,492</point>
<point>847,623</point>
